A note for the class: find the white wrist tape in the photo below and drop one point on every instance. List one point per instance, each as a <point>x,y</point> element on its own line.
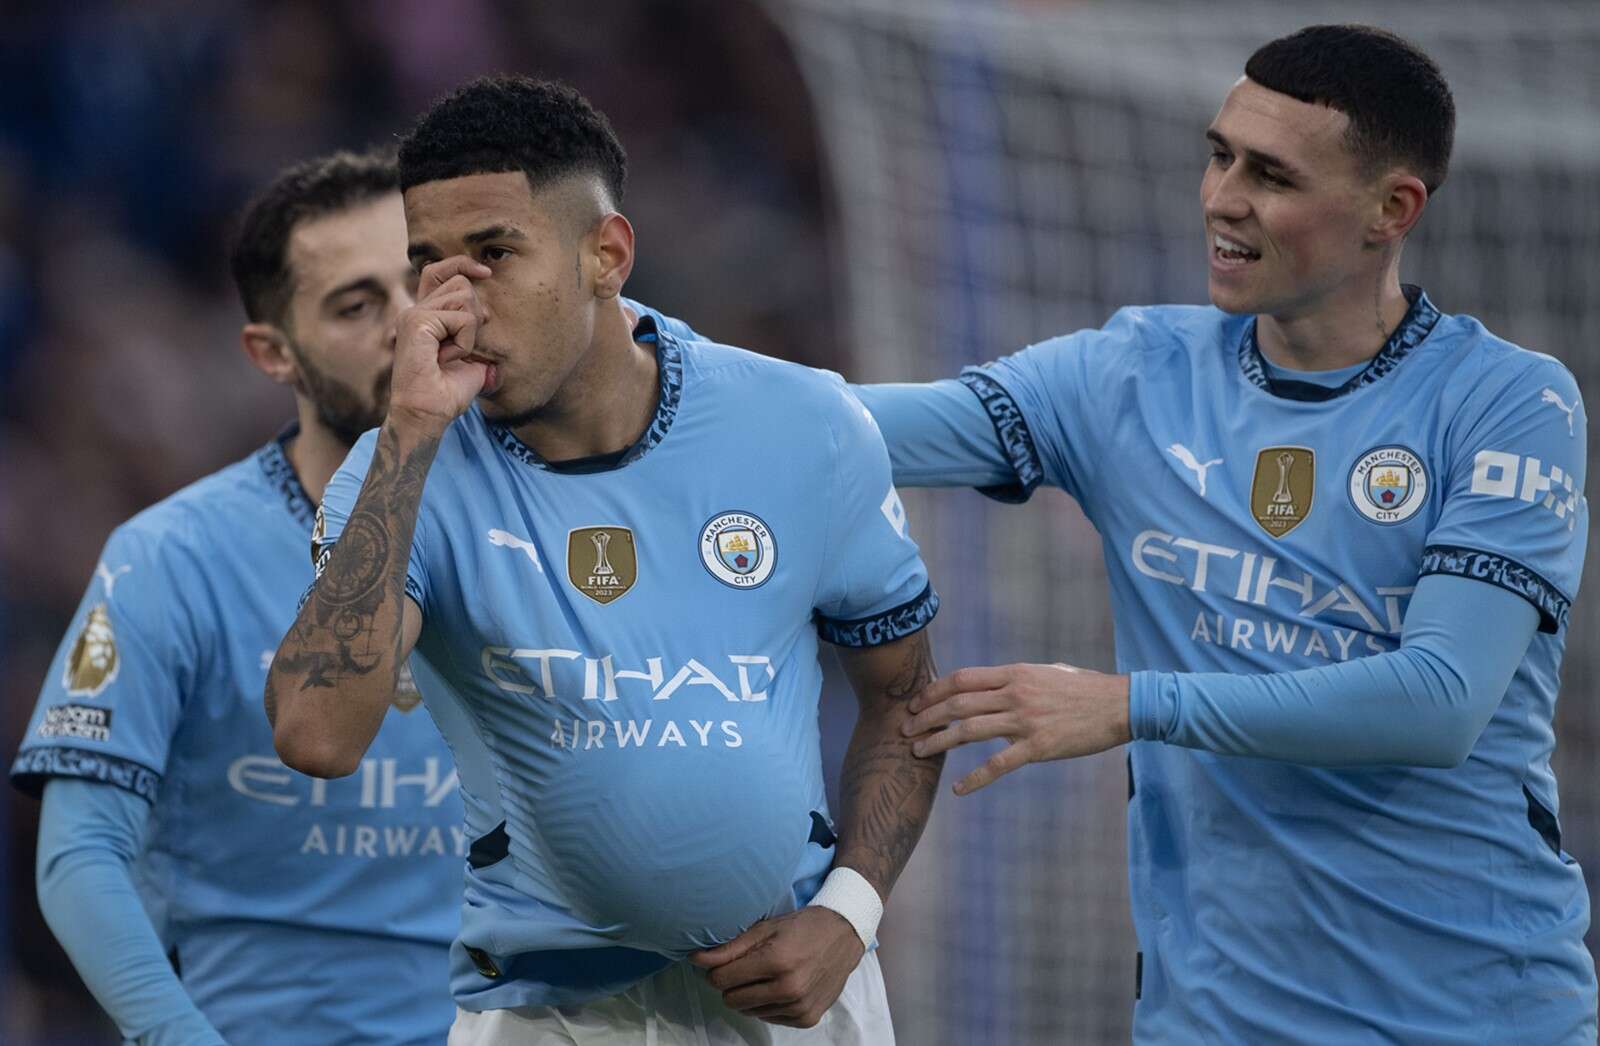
<point>847,892</point>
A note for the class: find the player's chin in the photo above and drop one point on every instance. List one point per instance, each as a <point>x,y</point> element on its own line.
<point>1231,298</point>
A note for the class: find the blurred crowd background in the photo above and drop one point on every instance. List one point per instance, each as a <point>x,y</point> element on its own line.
<point>846,183</point>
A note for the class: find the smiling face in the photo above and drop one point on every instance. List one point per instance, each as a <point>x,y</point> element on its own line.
<point>538,307</point>
<point>1289,213</point>
<point>350,283</point>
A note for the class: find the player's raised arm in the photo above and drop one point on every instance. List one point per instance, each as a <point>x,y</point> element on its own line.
<point>336,670</point>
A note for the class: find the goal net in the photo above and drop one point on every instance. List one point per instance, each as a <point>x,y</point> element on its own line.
<point>1004,173</point>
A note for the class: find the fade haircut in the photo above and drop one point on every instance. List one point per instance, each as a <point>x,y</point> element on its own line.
<point>313,189</point>
<point>1400,108</point>
<point>545,129</point>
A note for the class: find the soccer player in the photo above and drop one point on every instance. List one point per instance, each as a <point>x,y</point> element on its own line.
<point>1343,530</point>
<point>613,550</point>
<point>204,892</point>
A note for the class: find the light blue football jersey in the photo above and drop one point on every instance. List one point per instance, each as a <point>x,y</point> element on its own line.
<point>295,909</point>
<point>622,655</point>
<point>1259,525</point>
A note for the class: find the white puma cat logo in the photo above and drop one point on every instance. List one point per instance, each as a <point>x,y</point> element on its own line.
<point>1186,456</point>
<point>505,540</point>
<point>109,577</point>
<point>1550,396</point>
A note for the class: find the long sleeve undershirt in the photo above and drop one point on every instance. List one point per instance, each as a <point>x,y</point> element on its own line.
<point>89,834</point>
<point>1423,705</point>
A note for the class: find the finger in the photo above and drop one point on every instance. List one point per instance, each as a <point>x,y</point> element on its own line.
<point>960,681</point>
<point>786,1015</point>
<point>1001,763</point>
<point>737,948</point>
<point>770,994</point>
<point>966,732</point>
<point>434,275</point>
<point>960,706</point>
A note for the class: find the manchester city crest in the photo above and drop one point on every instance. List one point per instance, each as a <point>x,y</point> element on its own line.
<point>737,548</point>
<point>1388,485</point>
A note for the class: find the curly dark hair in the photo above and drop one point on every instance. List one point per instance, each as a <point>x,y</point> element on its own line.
<point>545,129</point>
<point>1399,105</point>
<point>260,253</point>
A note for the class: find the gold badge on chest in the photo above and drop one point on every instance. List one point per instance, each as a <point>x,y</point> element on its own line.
<point>1281,492</point>
<point>602,562</point>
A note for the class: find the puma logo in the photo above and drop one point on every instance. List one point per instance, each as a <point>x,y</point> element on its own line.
<point>505,540</point>
<point>109,577</point>
<point>1551,397</point>
<point>1187,458</point>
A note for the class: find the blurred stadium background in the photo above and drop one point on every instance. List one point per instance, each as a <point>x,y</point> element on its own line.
<point>891,188</point>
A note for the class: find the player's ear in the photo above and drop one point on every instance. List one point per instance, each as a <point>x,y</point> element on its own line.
<point>1401,199</point>
<point>613,255</point>
<point>267,348</point>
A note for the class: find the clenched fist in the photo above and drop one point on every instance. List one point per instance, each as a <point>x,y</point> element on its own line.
<point>436,374</point>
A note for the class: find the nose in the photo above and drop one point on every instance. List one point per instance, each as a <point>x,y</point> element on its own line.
<point>1221,195</point>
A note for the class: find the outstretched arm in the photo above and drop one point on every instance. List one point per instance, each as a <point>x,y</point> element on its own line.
<point>939,435</point>
<point>1421,705</point>
<point>335,672</point>
<point>789,970</point>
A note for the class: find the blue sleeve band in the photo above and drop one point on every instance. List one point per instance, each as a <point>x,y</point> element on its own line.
<point>35,766</point>
<point>1553,607</point>
<point>1422,705</point>
<point>1015,437</point>
<point>905,619</point>
<point>88,835</point>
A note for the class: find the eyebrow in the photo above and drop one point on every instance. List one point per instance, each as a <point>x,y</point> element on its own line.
<point>494,232</point>
<point>360,283</point>
<point>1255,156</point>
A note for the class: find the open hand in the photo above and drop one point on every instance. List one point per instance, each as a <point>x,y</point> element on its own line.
<point>787,970</point>
<point>1045,711</point>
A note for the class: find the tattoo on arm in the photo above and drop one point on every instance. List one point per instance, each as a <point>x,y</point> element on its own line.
<point>350,625</point>
<point>886,791</point>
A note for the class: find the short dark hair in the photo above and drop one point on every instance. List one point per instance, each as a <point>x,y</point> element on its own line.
<point>1398,102</point>
<point>545,129</point>
<point>312,189</point>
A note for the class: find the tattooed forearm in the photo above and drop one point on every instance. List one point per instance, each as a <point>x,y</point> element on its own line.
<point>886,791</point>
<point>335,672</point>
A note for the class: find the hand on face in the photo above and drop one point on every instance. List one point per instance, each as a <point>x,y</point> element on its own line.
<point>787,970</point>
<point>436,377</point>
<point>1045,711</point>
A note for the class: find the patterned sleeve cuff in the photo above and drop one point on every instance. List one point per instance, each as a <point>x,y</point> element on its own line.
<point>1015,436</point>
<point>902,621</point>
<point>1505,573</point>
<point>35,766</point>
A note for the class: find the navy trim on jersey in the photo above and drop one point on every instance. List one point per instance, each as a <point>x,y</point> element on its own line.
<point>1417,324</point>
<point>1505,573</point>
<point>878,629</point>
<point>1016,439</point>
<point>274,462</point>
<point>35,766</point>
<point>669,362</point>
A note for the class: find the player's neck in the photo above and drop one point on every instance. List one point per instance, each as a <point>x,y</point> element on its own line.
<point>1340,333</point>
<point>316,453</point>
<point>607,401</point>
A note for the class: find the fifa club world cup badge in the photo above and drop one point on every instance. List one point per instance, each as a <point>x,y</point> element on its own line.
<point>738,550</point>
<point>1281,492</point>
<point>602,562</point>
<point>1388,485</point>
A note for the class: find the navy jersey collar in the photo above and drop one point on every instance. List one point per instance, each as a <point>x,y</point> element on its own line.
<point>1418,323</point>
<point>669,364</point>
<point>274,461</point>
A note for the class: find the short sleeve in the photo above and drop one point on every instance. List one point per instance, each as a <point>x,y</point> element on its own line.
<point>1514,514</point>
<point>115,691</point>
<point>339,500</point>
<point>1047,402</point>
<point>874,587</point>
